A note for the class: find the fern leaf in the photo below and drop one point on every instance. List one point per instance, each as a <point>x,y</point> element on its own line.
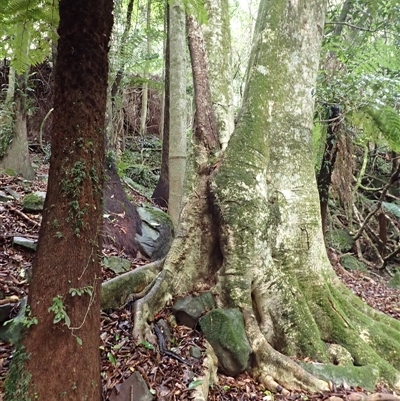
<point>391,208</point>
<point>387,120</point>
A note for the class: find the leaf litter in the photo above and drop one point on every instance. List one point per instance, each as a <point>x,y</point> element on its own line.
<point>121,356</point>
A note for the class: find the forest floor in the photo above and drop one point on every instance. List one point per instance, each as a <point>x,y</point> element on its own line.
<point>167,378</point>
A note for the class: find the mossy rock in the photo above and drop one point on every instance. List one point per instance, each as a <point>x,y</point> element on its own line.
<point>10,172</point>
<point>340,240</point>
<point>224,330</point>
<point>350,262</point>
<point>34,202</point>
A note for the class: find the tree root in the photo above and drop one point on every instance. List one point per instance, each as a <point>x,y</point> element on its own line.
<point>143,309</point>
<point>209,377</point>
<point>117,291</point>
<point>274,370</point>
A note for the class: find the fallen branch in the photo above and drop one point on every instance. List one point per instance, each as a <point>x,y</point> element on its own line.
<point>23,215</point>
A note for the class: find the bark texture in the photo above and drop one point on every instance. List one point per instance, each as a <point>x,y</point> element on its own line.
<point>63,359</point>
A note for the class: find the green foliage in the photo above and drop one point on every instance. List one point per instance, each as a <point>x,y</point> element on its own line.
<point>59,310</point>
<point>195,8</point>
<point>359,70</point>
<point>17,383</point>
<point>141,164</point>
<point>6,129</point>
<point>81,291</point>
<point>392,208</point>
<point>28,320</point>
<point>387,120</point>
<point>29,27</point>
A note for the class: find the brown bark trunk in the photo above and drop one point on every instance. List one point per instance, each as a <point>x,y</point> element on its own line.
<point>64,361</point>
<point>324,178</point>
<point>205,123</point>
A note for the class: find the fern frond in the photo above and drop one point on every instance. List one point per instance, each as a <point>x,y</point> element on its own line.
<point>27,28</point>
<point>392,208</point>
<point>387,120</point>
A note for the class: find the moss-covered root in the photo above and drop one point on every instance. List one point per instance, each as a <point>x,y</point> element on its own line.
<point>145,308</point>
<point>275,371</point>
<point>117,291</point>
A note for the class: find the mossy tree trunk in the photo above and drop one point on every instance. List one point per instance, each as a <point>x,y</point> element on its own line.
<point>250,227</point>
<point>217,40</point>
<point>62,349</point>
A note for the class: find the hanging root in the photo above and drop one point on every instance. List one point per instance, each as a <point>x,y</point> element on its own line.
<point>274,370</point>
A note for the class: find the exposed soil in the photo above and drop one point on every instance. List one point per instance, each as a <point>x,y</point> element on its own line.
<point>168,378</point>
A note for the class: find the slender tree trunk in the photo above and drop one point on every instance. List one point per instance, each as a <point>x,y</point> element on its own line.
<point>177,109</point>
<point>324,178</point>
<point>145,87</point>
<point>112,134</point>
<point>161,191</point>
<point>17,154</point>
<point>61,351</point>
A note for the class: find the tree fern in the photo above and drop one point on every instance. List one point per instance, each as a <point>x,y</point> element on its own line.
<point>27,30</point>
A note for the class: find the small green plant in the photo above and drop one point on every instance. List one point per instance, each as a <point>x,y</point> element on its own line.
<point>81,291</point>
<point>111,358</point>
<point>28,320</point>
<point>59,310</point>
<point>145,344</point>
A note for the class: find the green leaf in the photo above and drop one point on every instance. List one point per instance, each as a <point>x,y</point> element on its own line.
<point>111,358</point>
<point>78,340</point>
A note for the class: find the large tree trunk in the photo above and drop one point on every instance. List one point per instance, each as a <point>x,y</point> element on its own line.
<point>251,223</point>
<point>60,357</point>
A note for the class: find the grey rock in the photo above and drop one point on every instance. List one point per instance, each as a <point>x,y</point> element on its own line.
<point>116,264</point>
<point>224,330</point>
<point>195,352</point>
<point>188,310</point>
<point>12,193</point>
<point>4,197</point>
<point>157,232</point>
<point>25,243</point>
<point>135,385</point>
